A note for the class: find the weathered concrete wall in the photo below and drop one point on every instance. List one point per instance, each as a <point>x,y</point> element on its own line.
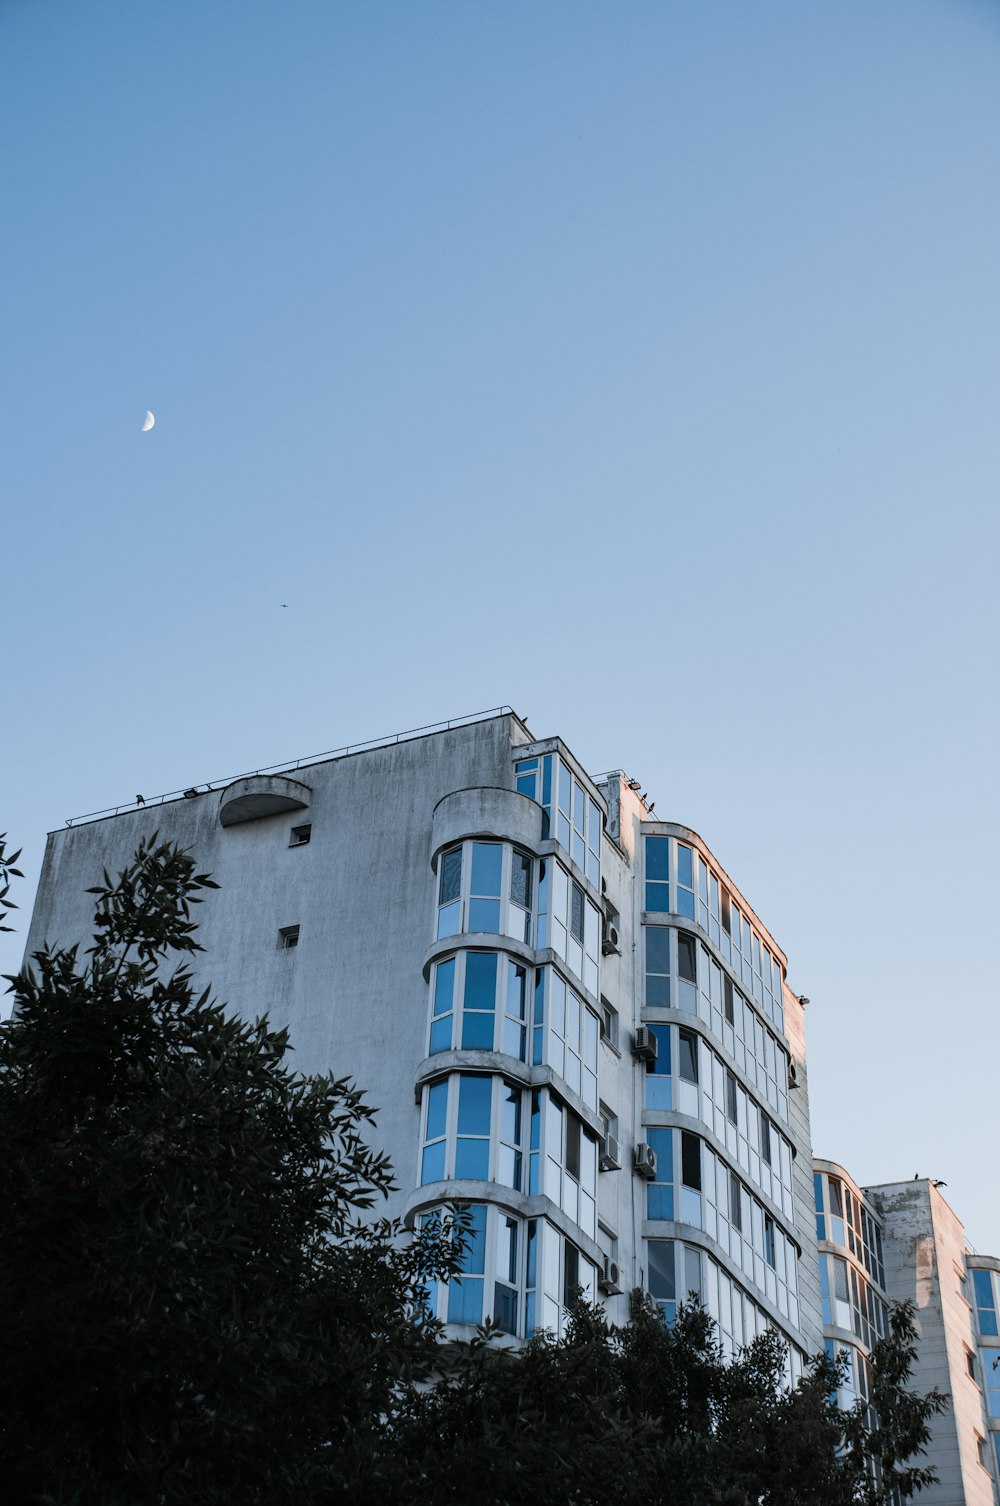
<point>362,891</point>
<point>924,1247</point>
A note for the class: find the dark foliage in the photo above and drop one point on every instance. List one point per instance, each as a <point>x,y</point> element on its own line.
<point>187,1312</point>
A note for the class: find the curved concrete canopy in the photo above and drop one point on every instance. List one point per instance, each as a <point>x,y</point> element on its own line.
<point>261,795</point>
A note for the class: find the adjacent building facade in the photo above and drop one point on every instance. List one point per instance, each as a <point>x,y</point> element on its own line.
<point>567,1013</point>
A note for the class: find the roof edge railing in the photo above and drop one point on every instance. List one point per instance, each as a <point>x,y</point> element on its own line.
<point>206,786</point>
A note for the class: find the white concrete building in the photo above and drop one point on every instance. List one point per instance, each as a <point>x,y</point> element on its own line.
<point>901,1241</point>
<point>565,1011</point>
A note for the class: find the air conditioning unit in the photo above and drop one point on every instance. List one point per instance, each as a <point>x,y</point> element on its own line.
<point>644,1044</point>
<point>645,1162</point>
<point>611,1154</point>
<point>610,941</point>
<point>610,1279</point>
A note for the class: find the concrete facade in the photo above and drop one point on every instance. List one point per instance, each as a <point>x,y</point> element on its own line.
<point>494,945</point>
<point>902,1242</point>
<point>927,1262</point>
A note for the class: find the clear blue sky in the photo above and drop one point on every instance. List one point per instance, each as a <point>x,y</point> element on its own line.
<point>634,364</point>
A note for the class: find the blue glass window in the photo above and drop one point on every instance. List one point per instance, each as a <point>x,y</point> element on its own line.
<point>479,1004</point>
<point>465,1294</point>
<point>515,1022</point>
<point>505,1286</point>
<point>484,902</point>
<point>658,874</point>
<point>658,1071</point>
<point>662,1277</point>
<point>527,777</point>
<point>432,1165</point>
<point>472,1151</point>
<point>449,903</point>
<point>985,1304</point>
<point>565,806</point>
<point>660,1192</point>
<point>444,1004</point>
<point>658,967</point>
<point>684,903</point>
<point>538,1023</point>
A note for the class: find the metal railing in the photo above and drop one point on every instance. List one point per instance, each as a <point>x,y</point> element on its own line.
<point>205,787</point>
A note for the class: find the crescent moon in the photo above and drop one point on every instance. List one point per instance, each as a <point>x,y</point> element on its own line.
<point>148,422</point>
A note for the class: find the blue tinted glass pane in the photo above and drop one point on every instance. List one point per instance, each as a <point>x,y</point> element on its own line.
<point>437,1110</point>
<point>984,1288</point>
<point>658,898</point>
<point>658,992</point>
<point>441,1035</point>
<point>657,858</point>
<point>484,915</point>
<point>659,1201</point>
<point>658,1093</point>
<point>433,1163</point>
<point>547,780</point>
<point>662,1034</point>
<point>444,987</point>
<point>527,784</point>
<point>657,949</point>
<point>474,1105</point>
<point>480,980</point>
<point>565,788</point>
<point>539,995</point>
<point>465,1301</point>
<point>818,1190</point>
<point>661,1143</point>
<point>517,979</point>
<point>505,1309</point>
<point>486,860</point>
<point>514,1039</point>
<point>477,1032</point>
<point>526,765</point>
<point>451,875</point>
<point>685,903</point>
<point>562,829</point>
<point>472,1159</point>
<point>450,919</point>
<point>684,864</point>
<point>662,1282</point>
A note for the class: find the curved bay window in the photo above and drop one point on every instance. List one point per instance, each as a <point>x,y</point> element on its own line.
<point>523,1273</point>
<point>565,1034</point>
<point>479,1001</point>
<point>679,881</point>
<point>473,1129</point>
<point>485,887</point>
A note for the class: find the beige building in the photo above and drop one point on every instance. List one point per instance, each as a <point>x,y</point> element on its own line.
<point>902,1241</point>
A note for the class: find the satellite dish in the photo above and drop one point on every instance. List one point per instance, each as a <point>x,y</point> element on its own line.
<point>148,422</point>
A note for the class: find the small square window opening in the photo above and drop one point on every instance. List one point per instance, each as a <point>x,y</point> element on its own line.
<point>288,937</point>
<point>299,836</point>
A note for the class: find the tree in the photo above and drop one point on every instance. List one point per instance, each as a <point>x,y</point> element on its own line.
<point>653,1414</point>
<point>188,1312</point>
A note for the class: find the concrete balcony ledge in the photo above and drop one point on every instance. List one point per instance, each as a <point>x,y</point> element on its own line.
<point>496,814</point>
<point>261,795</point>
